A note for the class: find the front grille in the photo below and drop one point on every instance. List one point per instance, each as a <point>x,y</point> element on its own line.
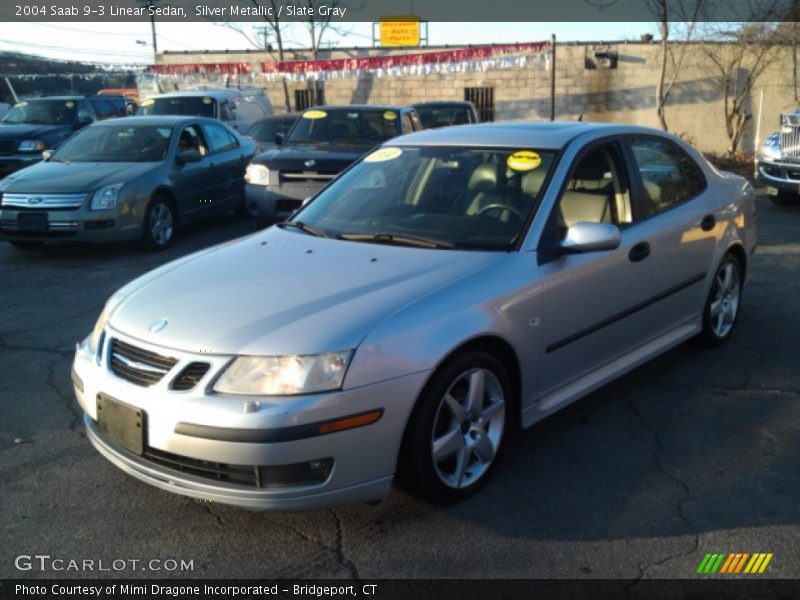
<point>7,146</point>
<point>44,201</point>
<point>239,474</point>
<point>190,376</point>
<point>790,136</point>
<point>138,366</point>
<point>314,176</point>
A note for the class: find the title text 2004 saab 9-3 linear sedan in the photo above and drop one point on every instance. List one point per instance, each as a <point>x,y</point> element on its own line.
<point>450,284</point>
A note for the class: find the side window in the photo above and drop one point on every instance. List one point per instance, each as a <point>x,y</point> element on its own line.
<point>225,112</point>
<point>86,111</point>
<point>668,174</point>
<point>408,124</point>
<point>249,111</point>
<point>219,139</point>
<point>191,138</point>
<point>597,191</point>
<point>104,108</point>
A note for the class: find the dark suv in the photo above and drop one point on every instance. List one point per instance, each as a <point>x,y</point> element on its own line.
<point>323,142</point>
<point>39,124</point>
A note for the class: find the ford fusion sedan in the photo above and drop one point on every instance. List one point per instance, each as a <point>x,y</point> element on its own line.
<point>450,285</point>
<point>135,178</point>
<point>324,141</point>
<point>38,124</point>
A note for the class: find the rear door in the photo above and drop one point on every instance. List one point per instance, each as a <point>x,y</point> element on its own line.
<point>194,182</point>
<point>228,165</point>
<point>676,201</point>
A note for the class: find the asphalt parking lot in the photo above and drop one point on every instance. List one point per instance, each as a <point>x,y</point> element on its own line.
<point>693,453</point>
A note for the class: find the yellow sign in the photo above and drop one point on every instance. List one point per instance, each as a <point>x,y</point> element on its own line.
<point>524,160</point>
<point>69,104</point>
<point>207,100</point>
<point>315,114</point>
<point>383,154</point>
<point>399,31</point>
<point>390,115</point>
<point>148,102</point>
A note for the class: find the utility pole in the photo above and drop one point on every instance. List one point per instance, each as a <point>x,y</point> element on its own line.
<point>553,77</point>
<point>263,30</point>
<point>151,4</point>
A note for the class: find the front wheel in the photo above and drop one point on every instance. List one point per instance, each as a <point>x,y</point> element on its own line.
<point>456,431</point>
<point>159,224</point>
<point>723,302</point>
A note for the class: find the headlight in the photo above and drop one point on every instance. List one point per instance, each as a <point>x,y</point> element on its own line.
<point>106,197</point>
<point>93,341</point>
<point>771,148</point>
<point>31,146</point>
<point>257,175</point>
<point>284,375</point>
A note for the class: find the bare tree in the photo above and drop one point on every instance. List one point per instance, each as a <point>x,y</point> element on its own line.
<point>737,58</point>
<point>672,59</point>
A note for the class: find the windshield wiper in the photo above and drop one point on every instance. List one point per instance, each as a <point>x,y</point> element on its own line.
<point>304,228</point>
<point>397,240</point>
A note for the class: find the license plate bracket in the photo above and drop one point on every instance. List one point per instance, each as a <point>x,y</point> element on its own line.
<point>32,221</point>
<point>121,424</point>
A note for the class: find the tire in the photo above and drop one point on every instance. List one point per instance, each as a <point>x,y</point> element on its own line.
<point>26,245</point>
<point>723,303</point>
<point>159,224</point>
<point>450,448</point>
<point>785,198</point>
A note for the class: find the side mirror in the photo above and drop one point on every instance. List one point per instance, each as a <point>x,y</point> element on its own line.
<point>189,156</point>
<point>279,137</point>
<point>46,154</point>
<point>586,236</point>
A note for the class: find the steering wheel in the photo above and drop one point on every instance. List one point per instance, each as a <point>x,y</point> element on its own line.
<point>502,207</point>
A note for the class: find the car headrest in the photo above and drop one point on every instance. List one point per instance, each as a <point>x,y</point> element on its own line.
<point>591,168</point>
<point>532,182</point>
<point>487,178</point>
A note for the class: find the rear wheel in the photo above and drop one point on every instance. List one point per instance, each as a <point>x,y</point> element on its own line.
<point>724,300</point>
<point>456,431</point>
<point>159,224</point>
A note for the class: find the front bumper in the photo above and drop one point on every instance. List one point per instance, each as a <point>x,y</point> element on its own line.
<point>781,175</point>
<point>364,458</point>
<point>77,225</point>
<point>278,202</point>
<point>14,162</point>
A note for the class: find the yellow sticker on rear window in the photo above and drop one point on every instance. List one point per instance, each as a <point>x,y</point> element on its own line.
<point>148,102</point>
<point>383,154</point>
<point>206,100</point>
<point>69,104</point>
<point>390,115</point>
<point>524,160</point>
<point>315,114</point>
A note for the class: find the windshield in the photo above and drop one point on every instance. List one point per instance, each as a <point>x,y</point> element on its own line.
<point>367,127</point>
<point>42,112</point>
<point>193,106</point>
<point>265,130</point>
<point>468,198</point>
<point>140,143</point>
<point>443,116</point>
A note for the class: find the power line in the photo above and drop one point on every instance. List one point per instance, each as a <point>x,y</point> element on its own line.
<point>73,50</point>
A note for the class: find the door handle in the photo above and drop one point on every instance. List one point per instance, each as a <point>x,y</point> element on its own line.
<point>708,223</point>
<point>639,252</point>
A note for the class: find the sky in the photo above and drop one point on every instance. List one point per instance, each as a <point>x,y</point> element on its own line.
<point>130,43</point>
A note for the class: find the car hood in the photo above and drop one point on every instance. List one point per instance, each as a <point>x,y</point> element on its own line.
<point>50,177</point>
<point>32,131</point>
<point>284,292</point>
<point>328,158</point>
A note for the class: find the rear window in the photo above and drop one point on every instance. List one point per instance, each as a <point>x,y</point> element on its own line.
<point>195,106</point>
<point>360,127</point>
<point>444,116</point>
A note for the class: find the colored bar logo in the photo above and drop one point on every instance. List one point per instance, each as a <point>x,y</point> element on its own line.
<point>730,564</point>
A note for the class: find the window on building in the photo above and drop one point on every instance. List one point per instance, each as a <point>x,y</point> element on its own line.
<point>483,99</point>
<point>310,97</point>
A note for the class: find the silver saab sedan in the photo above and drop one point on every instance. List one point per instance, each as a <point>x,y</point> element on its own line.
<point>451,284</point>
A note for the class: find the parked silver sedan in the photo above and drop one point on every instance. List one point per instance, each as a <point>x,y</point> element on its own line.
<point>452,284</point>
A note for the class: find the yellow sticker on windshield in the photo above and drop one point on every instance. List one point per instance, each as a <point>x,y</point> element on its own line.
<point>315,114</point>
<point>69,104</point>
<point>148,102</point>
<point>524,160</point>
<point>383,154</point>
<point>206,100</point>
<point>390,115</point>
<point>21,104</point>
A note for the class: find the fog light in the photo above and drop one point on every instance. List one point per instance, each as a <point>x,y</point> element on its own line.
<point>76,381</point>
<point>306,473</point>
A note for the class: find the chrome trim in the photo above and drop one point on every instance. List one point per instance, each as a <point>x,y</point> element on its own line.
<point>312,175</point>
<point>771,178</point>
<point>133,364</point>
<point>11,225</point>
<point>44,201</point>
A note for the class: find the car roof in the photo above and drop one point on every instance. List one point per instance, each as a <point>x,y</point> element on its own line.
<point>552,135</point>
<point>176,120</point>
<point>434,103</point>
<point>291,115</point>
<point>375,107</point>
<point>198,94</point>
<point>56,98</point>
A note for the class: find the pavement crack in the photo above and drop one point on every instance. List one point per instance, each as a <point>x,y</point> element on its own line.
<point>67,398</point>
<point>340,553</point>
<point>206,506</point>
<point>686,494</point>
